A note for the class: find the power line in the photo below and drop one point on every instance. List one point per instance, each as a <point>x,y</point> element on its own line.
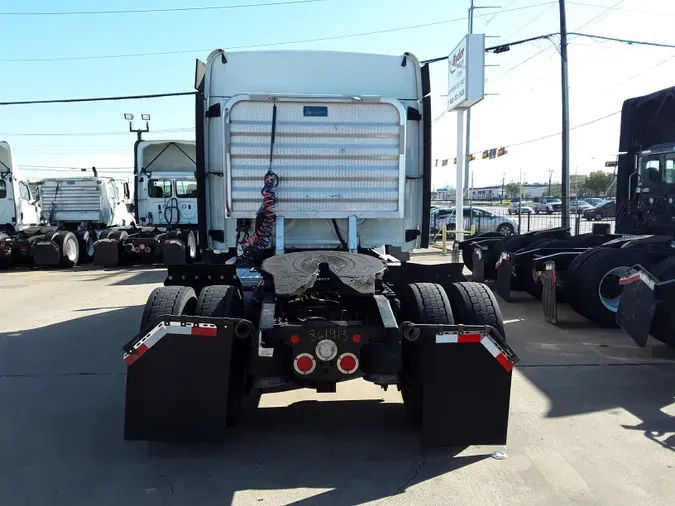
<point>88,134</point>
<point>625,41</point>
<point>56,167</point>
<point>623,9</point>
<point>169,9</point>
<point>253,46</point>
<point>98,99</point>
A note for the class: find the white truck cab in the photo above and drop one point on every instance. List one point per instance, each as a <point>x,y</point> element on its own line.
<point>166,188</point>
<point>19,208</point>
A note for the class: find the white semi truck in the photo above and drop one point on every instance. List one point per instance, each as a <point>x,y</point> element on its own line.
<point>314,177</point>
<point>165,204</point>
<point>58,226</point>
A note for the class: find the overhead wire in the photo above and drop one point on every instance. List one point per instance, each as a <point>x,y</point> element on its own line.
<point>90,134</point>
<point>257,45</point>
<point>160,10</point>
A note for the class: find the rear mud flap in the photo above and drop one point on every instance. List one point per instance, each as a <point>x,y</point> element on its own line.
<point>637,306</point>
<point>173,252</point>
<point>178,380</point>
<point>478,265</point>
<point>504,275</point>
<point>549,294</point>
<point>466,386</point>
<point>106,253</point>
<point>46,253</point>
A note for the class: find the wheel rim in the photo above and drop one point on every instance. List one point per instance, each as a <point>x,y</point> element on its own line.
<point>70,249</point>
<point>609,289</point>
<point>90,246</point>
<point>505,230</point>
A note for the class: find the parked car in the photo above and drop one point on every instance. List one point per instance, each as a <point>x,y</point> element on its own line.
<point>517,207</point>
<point>594,201</point>
<point>482,219</point>
<point>601,211</point>
<point>548,205</point>
<point>578,207</point>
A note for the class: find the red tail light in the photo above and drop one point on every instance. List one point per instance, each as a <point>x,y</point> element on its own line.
<point>137,249</point>
<point>147,249</point>
<point>348,363</point>
<point>295,339</point>
<point>304,364</point>
<point>356,338</point>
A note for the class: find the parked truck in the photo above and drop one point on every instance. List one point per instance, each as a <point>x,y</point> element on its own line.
<point>59,226</point>
<point>165,205</point>
<point>313,189</point>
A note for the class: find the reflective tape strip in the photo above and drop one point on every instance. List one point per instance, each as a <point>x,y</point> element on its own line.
<point>476,337</point>
<point>157,333</point>
<point>490,346</point>
<point>630,279</point>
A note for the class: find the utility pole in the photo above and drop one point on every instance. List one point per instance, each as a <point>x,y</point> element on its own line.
<point>472,8</point>
<point>503,180</point>
<point>565,176</point>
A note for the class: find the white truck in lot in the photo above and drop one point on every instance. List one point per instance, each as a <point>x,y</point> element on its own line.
<point>165,203</point>
<point>314,181</point>
<point>60,224</point>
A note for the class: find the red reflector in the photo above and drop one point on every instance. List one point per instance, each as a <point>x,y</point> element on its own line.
<point>630,279</point>
<point>356,338</point>
<point>295,339</point>
<point>167,242</point>
<point>147,250</point>
<point>97,243</point>
<point>347,363</point>
<point>137,249</point>
<point>204,331</point>
<point>53,245</point>
<point>304,363</point>
<point>469,338</point>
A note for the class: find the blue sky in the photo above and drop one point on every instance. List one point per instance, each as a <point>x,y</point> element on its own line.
<point>602,74</point>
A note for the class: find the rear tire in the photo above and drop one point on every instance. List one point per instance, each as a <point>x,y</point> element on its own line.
<point>168,301</point>
<point>86,241</point>
<point>222,301</point>
<point>69,249</point>
<point>475,304</point>
<point>588,271</point>
<point>422,303</point>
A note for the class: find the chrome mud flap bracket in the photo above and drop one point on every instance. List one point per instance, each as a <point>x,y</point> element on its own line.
<point>466,384</point>
<point>178,378</point>
<point>478,265</point>
<point>107,253</point>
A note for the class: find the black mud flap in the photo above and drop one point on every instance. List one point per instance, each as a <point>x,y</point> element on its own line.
<point>178,379</point>
<point>478,265</point>
<point>107,253</point>
<point>173,252</point>
<point>637,305</point>
<point>504,275</point>
<point>549,294</point>
<point>466,387</point>
<point>46,253</point>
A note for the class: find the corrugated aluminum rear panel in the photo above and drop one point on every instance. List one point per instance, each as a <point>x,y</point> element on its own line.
<point>71,200</point>
<point>348,162</point>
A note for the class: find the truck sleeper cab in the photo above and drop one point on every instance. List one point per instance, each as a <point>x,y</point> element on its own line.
<point>165,205</point>
<point>313,172</point>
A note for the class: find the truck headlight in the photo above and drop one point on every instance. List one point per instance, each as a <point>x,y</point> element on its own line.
<point>650,200</point>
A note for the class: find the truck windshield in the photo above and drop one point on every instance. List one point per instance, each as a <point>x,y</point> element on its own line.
<point>186,189</point>
<point>650,170</point>
<point>159,188</point>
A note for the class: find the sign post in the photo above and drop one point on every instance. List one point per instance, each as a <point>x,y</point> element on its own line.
<point>466,87</point>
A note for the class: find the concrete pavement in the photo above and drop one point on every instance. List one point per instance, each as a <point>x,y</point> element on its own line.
<point>592,419</point>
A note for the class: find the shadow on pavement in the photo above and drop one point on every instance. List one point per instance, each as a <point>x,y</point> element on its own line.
<point>62,391</point>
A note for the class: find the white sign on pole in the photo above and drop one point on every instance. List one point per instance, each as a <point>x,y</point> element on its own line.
<point>466,76</point>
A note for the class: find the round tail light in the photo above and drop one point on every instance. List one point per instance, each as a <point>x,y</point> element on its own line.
<point>348,363</point>
<point>304,364</point>
<point>137,249</point>
<point>147,249</point>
